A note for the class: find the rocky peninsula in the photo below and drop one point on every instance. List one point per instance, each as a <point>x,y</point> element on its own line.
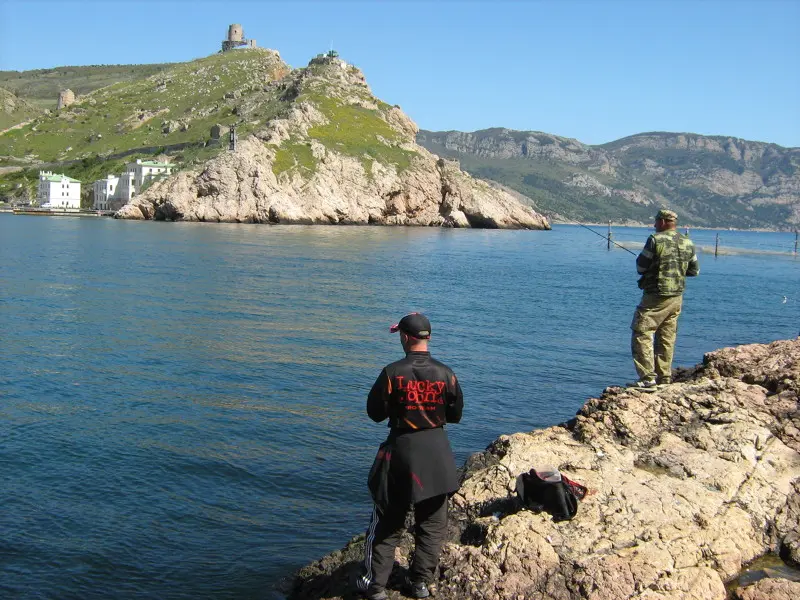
<point>332,153</point>
<point>688,485</point>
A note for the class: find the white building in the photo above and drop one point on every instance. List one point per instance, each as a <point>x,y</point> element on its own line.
<point>145,171</point>
<point>58,191</point>
<point>113,192</point>
<point>104,190</point>
<point>126,188</point>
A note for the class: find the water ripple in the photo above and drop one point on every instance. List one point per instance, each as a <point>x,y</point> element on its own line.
<point>183,404</point>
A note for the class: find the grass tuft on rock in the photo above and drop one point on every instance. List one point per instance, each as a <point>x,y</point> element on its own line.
<point>359,132</point>
<point>295,155</point>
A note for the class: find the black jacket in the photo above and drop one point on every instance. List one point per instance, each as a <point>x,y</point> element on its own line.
<point>418,394</point>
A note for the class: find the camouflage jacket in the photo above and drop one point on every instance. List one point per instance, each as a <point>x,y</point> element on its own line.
<point>666,260</point>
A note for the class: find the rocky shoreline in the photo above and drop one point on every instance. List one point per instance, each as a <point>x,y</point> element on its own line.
<point>689,485</point>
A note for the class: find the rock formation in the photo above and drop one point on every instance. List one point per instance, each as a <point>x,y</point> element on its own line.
<point>769,589</point>
<point>334,155</point>
<point>687,486</point>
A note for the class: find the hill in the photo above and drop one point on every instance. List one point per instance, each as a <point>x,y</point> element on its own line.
<point>710,180</point>
<point>315,146</point>
<point>172,109</point>
<point>40,87</point>
<point>14,110</point>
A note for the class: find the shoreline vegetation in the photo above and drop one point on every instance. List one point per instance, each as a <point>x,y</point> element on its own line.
<point>689,486</point>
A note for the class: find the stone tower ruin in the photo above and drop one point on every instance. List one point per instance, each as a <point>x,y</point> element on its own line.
<point>65,98</point>
<point>236,38</point>
<point>235,33</point>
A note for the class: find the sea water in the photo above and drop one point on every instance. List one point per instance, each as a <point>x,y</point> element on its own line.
<point>182,405</point>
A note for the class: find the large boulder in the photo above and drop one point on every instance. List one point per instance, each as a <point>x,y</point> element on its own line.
<point>687,486</point>
<point>769,589</point>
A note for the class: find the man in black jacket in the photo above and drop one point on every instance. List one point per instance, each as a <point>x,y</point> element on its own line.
<point>418,395</point>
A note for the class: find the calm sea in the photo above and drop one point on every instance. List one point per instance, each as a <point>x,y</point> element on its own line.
<point>182,405</point>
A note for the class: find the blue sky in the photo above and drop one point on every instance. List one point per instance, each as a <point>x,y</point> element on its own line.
<point>593,70</point>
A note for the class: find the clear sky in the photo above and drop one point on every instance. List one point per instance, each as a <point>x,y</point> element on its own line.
<point>595,70</point>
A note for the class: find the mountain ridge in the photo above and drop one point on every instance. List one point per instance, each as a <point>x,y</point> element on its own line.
<point>691,133</point>
<point>718,181</point>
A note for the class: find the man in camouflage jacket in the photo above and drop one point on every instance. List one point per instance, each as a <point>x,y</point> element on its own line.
<point>666,260</point>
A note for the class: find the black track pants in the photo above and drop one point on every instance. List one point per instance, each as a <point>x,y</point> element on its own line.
<point>384,533</point>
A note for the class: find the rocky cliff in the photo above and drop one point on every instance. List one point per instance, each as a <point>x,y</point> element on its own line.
<point>331,153</point>
<point>710,180</point>
<point>687,486</point>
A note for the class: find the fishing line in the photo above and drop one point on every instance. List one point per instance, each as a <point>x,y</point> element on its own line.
<point>607,239</point>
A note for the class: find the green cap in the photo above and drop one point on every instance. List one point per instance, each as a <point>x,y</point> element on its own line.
<point>667,215</point>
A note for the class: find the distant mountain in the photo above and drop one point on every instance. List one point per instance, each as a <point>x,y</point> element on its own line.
<point>712,181</point>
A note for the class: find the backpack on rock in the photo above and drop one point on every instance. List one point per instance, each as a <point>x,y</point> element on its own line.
<point>550,491</point>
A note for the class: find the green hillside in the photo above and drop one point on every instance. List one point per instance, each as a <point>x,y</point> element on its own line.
<point>40,87</point>
<point>355,128</point>
<point>172,110</point>
<point>176,106</point>
<point>14,110</point>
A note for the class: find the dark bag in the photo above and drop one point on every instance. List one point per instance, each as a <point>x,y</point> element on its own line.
<point>559,498</point>
<point>379,476</point>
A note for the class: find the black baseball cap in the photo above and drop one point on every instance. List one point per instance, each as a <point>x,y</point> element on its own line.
<point>414,324</point>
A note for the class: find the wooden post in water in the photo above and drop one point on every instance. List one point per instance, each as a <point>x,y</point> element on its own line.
<point>795,241</point>
<point>609,237</point>
<point>716,246</point>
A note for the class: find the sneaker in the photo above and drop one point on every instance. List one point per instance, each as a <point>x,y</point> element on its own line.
<point>417,589</point>
<point>366,589</point>
<point>644,385</point>
<point>663,381</point>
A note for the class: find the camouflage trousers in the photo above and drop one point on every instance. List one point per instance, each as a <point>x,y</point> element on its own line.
<point>655,320</point>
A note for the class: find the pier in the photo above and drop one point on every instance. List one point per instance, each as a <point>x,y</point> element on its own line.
<point>48,212</point>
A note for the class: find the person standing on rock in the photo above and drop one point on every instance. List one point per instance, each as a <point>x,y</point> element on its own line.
<point>667,259</point>
<point>418,395</point>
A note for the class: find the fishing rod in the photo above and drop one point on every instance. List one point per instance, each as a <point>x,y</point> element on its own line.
<point>608,239</point>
